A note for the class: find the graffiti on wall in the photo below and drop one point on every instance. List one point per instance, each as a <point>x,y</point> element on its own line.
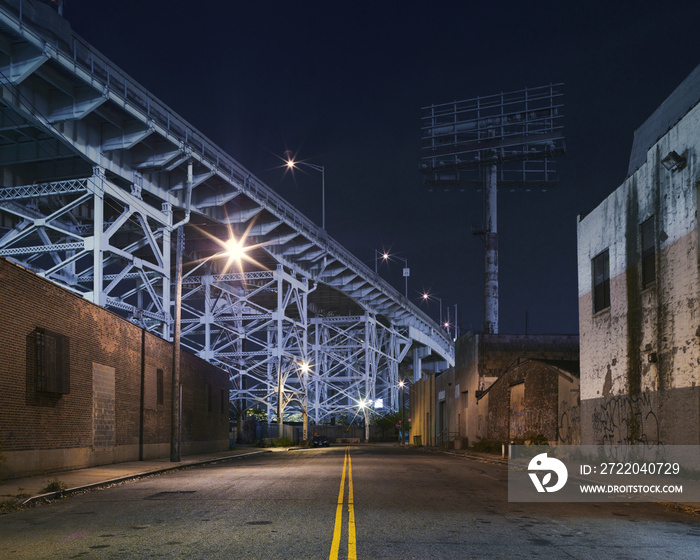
<point>525,422</point>
<point>625,419</point>
<point>569,424</point>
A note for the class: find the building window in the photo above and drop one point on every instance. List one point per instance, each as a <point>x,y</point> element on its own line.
<point>601,281</point>
<point>648,253</point>
<point>52,362</point>
<point>159,386</point>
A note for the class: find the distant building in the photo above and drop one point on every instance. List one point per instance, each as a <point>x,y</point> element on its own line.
<point>447,408</point>
<point>639,288</point>
<point>534,401</point>
<point>81,386</point>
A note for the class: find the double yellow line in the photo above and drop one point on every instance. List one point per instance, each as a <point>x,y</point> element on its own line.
<point>335,546</point>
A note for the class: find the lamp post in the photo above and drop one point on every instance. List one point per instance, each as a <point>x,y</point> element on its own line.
<point>176,409</point>
<point>291,164</point>
<point>234,251</point>
<point>305,401</point>
<point>386,257</point>
<point>364,407</point>
<point>377,255</point>
<point>402,386</point>
<point>427,297</point>
<point>406,274</point>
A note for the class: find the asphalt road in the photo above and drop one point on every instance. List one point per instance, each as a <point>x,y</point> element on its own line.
<point>396,503</point>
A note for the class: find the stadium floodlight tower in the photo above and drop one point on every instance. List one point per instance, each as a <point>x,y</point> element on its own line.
<point>507,140</point>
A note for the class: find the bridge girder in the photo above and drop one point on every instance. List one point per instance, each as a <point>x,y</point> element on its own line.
<point>94,176</point>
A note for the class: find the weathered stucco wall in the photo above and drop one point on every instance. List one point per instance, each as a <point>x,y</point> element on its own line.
<point>640,358</point>
<point>421,410</point>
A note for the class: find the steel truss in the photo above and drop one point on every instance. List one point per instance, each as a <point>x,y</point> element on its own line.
<point>94,170</point>
<point>256,325</point>
<point>356,365</point>
<point>95,239</point>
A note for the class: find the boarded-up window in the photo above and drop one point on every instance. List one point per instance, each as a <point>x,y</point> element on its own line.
<point>52,362</point>
<point>601,281</point>
<point>104,412</point>
<point>648,253</point>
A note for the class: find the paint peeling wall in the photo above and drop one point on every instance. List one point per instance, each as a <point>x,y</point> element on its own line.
<point>640,358</point>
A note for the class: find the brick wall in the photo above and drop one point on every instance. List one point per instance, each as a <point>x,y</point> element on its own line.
<point>482,358</point>
<point>536,410</point>
<point>100,419</point>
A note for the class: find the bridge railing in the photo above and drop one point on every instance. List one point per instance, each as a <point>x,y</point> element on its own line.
<point>76,53</point>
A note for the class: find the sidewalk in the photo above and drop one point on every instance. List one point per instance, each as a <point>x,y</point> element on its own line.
<point>470,454</point>
<point>692,508</point>
<point>31,489</point>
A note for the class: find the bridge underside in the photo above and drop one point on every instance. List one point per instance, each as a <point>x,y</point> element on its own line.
<point>97,174</point>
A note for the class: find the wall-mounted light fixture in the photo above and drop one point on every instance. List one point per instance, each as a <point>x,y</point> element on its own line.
<point>674,162</point>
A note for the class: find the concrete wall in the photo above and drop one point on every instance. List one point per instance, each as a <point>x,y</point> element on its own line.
<point>640,358</point>
<point>112,411</point>
<point>422,410</point>
<point>447,408</point>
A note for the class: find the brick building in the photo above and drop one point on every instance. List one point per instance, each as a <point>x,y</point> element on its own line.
<point>81,386</point>
<point>639,288</point>
<point>447,407</point>
<point>536,401</point>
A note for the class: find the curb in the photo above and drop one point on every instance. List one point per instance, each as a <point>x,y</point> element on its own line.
<point>62,493</point>
<point>482,458</point>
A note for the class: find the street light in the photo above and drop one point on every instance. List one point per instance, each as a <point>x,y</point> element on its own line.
<point>364,407</point>
<point>427,297</point>
<point>402,385</point>
<point>387,257</point>
<point>384,256</point>
<point>291,164</point>
<point>305,368</point>
<point>235,251</point>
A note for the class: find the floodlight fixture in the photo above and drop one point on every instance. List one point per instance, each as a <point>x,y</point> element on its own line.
<point>673,161</point>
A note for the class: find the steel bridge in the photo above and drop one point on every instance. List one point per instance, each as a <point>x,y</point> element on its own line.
<point>97,175</point>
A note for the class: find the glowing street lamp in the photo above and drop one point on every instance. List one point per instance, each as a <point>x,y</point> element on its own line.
<point>305,368</point>
<point>377,255</point>
<point>402,385</point>
<point>427,297</point>
<point>385,256</point>
<point>364,405</point>
<point>235,251</point>
<point>291,164</point>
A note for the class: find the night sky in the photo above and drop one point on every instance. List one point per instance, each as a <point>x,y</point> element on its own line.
<point>342,84</point>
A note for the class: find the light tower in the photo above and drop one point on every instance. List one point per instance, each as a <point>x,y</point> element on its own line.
<point>507,140</point>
